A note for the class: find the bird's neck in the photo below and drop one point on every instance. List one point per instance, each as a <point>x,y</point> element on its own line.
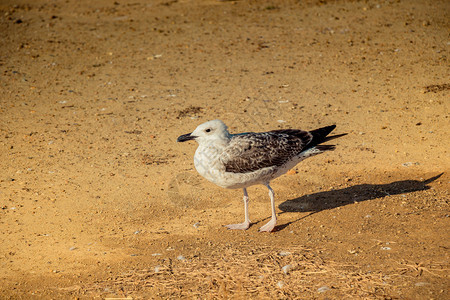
<point>218,143</point>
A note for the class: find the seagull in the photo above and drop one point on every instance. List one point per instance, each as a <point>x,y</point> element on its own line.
<point>241,160</point>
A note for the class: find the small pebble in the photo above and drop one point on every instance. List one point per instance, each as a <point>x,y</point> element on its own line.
<point>323,289</point>
<point>156,254</point>
<point>291,172</point>
<point>157,269</point>
<point>181,257</point>
<point>385,248</point>
<point>284,253</point>
<point>421,283</point>
<point>196,225</point>
<point>409,164</point>
<point>280,284</point>
<point>286,269</point>
<point>72,248</point>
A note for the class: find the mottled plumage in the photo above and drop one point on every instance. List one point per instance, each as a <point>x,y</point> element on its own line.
<point>242,160</point>
<point>254,151</point>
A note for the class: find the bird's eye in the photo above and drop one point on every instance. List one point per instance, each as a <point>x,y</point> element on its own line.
<point>208,130</point>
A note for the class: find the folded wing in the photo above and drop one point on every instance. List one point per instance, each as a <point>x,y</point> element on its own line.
<point>253,151</point>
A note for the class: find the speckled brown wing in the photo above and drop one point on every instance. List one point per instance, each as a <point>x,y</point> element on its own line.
<point>253,151</point>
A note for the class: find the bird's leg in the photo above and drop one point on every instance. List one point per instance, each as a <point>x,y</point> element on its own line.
<point>246,223</point>
<point>273,221</point>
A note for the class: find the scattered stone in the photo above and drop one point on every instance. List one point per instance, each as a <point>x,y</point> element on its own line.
<point>284,253</point>
<point>421,283</point>
<point>196,225</point>
<point>291,172</point>
<point>181,257</point>
<point>280,284</point>
<point>409,164</point>
<point>287,268</point>
<point>435,88</point>
<point>133,131</point>
<point>323,289</point>
<point>189,111</point>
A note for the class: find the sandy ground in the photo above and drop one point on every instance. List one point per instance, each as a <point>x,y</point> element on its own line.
<point>98,200</point>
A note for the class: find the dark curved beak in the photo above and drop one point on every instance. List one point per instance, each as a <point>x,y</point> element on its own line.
<point>185,137</point>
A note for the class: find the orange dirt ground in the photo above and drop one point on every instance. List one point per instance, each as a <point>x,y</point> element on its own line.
<point>99,201</point>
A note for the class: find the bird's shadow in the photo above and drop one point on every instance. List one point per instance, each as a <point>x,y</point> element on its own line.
<point>320,201</point>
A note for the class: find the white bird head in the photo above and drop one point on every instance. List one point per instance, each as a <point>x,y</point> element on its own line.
<point>207,132</point>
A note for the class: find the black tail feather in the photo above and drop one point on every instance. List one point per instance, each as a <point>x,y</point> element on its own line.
<point>325,147</point>
<point>332,137</point>
<point>320,136</point>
